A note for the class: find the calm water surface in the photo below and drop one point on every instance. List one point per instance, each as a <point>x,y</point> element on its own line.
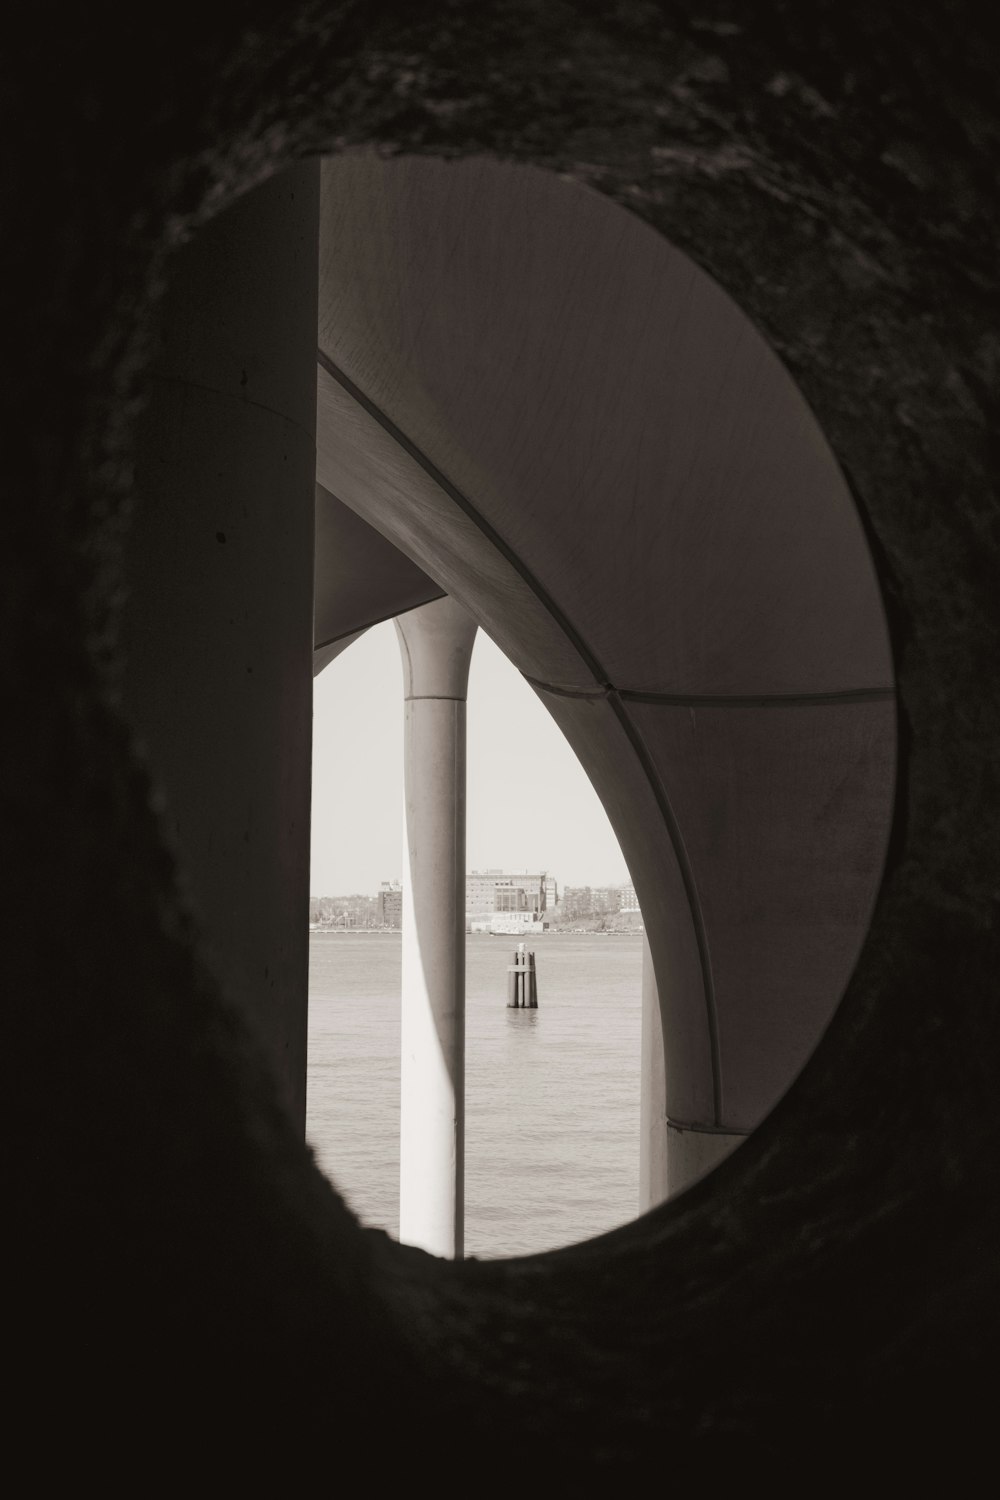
<point>552,1096</point>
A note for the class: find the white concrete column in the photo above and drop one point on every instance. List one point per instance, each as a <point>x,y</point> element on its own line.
<point>672,1156</point>
<point>436,642</point>
<point>652,1093</point>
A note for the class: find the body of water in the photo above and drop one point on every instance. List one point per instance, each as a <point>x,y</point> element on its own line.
<point>551,1095</point>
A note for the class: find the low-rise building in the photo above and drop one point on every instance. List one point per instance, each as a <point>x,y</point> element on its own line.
<point>390,904</point>
<point>515,923</point>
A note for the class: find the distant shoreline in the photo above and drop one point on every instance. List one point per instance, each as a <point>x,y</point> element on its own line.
<point>550,932</point>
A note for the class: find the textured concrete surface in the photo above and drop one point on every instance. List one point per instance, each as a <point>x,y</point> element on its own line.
<point>183,1282</point>
<point>217,629</point>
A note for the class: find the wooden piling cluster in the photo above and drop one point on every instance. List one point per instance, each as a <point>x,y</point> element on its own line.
<point>522,985</point>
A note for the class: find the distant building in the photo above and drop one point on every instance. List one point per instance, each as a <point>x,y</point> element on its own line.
<point>614,907</point>
<point>589,901</point>
<point>629,917</point>
<point>516,894</point>
<point>338,912</point>
<point>480,891</point>
<point>509,897</point>
<point>390,904</point>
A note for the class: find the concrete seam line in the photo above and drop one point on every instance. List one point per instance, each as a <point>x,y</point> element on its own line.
<point>759,700</point>
<point>721,700</point>
<point>593,694</point>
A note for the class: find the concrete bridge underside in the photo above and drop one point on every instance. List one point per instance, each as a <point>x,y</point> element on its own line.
<point>540,407</point>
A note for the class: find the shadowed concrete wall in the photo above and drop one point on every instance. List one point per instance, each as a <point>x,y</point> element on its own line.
<point>360,579</point>
<point>217,631</point>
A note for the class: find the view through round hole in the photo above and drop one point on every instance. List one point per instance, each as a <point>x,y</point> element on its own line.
<point>552,416</point>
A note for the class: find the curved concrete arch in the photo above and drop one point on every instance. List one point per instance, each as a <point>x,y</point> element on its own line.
<point>565,423</point>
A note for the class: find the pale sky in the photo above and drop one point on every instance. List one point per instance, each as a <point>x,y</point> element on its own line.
<point>530,804</point>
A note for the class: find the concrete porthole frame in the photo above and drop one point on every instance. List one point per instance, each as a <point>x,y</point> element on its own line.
<point>833,1285</point>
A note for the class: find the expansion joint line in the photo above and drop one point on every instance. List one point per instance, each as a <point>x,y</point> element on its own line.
<point>719,700</point>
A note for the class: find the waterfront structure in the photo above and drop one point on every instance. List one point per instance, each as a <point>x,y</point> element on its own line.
<point>524,922</point>
<point>390,904</point>
<point>495,890</point>
<point>589,901</point>
<point>357,911</point>
<point>522,981</point>
<point>480,891</point>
